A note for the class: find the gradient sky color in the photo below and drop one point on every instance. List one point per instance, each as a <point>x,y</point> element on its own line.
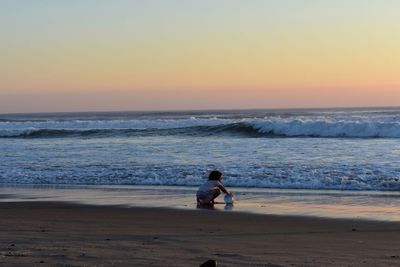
<point>88,55</point>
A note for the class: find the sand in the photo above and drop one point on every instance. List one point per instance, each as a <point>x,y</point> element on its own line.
<point>60,234</point>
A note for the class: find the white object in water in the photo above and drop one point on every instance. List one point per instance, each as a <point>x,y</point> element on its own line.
<point>228,199</point>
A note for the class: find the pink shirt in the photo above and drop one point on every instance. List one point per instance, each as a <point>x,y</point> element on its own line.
<point>209,186</point>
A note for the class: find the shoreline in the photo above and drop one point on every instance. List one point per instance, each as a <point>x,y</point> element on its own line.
<point>375,206</point>
<point>59,233</point>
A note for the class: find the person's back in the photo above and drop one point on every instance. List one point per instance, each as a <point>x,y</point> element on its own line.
<point>209,186</point>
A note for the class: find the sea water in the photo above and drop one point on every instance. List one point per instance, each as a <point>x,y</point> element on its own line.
<point>345,150</point>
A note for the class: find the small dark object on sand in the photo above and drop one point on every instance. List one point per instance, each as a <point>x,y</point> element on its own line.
<point>209,263</point>
<point>354,229</point>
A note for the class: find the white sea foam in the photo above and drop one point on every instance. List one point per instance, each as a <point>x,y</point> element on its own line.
<point>328,128</point>
<point>277,178</point>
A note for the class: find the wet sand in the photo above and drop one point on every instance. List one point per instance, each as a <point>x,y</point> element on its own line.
<point>60,234</point>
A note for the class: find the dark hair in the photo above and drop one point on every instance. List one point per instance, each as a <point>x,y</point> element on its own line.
<point>215,175</point>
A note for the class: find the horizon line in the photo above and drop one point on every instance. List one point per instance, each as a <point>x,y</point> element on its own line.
<point>199,110</point>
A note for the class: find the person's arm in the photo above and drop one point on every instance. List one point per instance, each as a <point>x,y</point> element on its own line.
<point>223,189</point>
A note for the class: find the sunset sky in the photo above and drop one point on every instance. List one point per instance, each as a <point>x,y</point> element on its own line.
<point>91,55</point>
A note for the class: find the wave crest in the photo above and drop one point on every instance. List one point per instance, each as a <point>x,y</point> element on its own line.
<point>273,127</point>
<point>326,128</point>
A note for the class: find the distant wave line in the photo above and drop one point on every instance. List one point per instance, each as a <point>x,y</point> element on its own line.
<point>256,128</point>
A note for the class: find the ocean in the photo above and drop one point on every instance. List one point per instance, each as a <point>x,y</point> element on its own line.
<point>335,150</point>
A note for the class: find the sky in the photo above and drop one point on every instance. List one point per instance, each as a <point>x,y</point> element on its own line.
<point>98,55</point>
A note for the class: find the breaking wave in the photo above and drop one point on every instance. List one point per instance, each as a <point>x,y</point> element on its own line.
<point>274,127</point>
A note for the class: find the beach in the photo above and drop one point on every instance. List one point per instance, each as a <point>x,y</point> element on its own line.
<point>199,133</point>
<point>62,234</point>
<point>312,188</point>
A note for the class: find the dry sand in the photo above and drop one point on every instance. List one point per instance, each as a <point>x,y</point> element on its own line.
<point>59,234</point>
